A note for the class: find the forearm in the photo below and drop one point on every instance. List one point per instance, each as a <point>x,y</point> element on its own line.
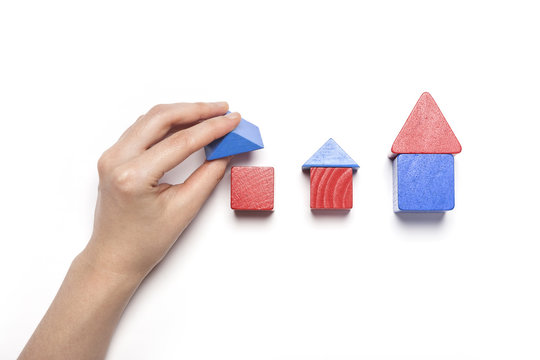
<point>81,320</point>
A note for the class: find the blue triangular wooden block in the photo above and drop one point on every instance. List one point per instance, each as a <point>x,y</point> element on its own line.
<point>245,137</point>
<point>330,155</point>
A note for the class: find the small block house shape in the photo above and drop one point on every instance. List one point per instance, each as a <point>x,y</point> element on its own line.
<point>244,138</point>
<point>331,171</point>
<point>423,160</point>
<point>252,188</point>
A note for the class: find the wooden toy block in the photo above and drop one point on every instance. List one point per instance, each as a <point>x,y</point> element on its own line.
<point>244,138</point>
<point>330,155</point>
<point>331,188</point>
<point>252,188</point>
<point>426,131</point>
<point>423,182</point>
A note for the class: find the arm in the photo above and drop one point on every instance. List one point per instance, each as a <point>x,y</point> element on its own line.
<point>137,220</point>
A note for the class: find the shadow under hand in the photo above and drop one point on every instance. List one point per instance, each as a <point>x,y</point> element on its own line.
<point>243,158</point>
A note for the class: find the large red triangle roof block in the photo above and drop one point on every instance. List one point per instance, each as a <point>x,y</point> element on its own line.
<point>426,131</point>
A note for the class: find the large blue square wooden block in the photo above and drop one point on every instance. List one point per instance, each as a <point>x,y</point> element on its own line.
<point>423,182</point>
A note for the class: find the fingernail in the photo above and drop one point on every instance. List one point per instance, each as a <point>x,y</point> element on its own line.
<point>232,115</point>
<point>221,103</point>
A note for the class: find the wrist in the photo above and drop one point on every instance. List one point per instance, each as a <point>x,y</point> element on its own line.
<point>103,269</point>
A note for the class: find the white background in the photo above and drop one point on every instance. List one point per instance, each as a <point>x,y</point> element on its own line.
<point>291,285</point>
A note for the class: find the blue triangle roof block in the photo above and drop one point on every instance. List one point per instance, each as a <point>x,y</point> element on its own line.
<point>330,155</point>
<point>244,138</point>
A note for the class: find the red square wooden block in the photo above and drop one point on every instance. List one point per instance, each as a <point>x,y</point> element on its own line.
<point>331,188</point>
<point>252,188</point>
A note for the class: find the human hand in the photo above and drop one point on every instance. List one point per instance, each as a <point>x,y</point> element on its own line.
<point>137,219</point>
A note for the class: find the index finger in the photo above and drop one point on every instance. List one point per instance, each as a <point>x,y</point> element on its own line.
<point>170,152</point>
<point>155,124</point>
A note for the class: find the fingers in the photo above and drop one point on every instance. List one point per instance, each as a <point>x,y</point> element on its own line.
<point>198,187</point>
<point>155,124</point>
<point>171,151</point>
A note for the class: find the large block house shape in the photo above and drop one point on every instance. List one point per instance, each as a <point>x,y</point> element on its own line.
<point>331,170</point>
<point>423,160</point>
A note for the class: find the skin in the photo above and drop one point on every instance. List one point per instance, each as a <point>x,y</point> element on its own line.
<point>137,220</point>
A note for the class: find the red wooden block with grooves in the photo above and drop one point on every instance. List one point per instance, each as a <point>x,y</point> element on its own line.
<point>426,131</point>
<point>252,188</point>
<point>331,188</point>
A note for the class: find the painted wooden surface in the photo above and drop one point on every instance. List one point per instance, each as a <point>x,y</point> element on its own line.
<point>252,188</point>
<point>331,188</point>
<point>244,138</point>
<point>426,131</point>
<point>423,182</point>
<point>330,155</point>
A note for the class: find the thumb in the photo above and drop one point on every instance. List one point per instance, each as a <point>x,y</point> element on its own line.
<point>192,194</point>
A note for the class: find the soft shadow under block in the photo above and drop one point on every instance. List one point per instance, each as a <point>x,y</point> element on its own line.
<point>423,182</point>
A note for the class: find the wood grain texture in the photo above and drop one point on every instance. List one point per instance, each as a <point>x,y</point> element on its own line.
<point>331,188</point>
<point>252,188</point>
<point>426,131</point>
